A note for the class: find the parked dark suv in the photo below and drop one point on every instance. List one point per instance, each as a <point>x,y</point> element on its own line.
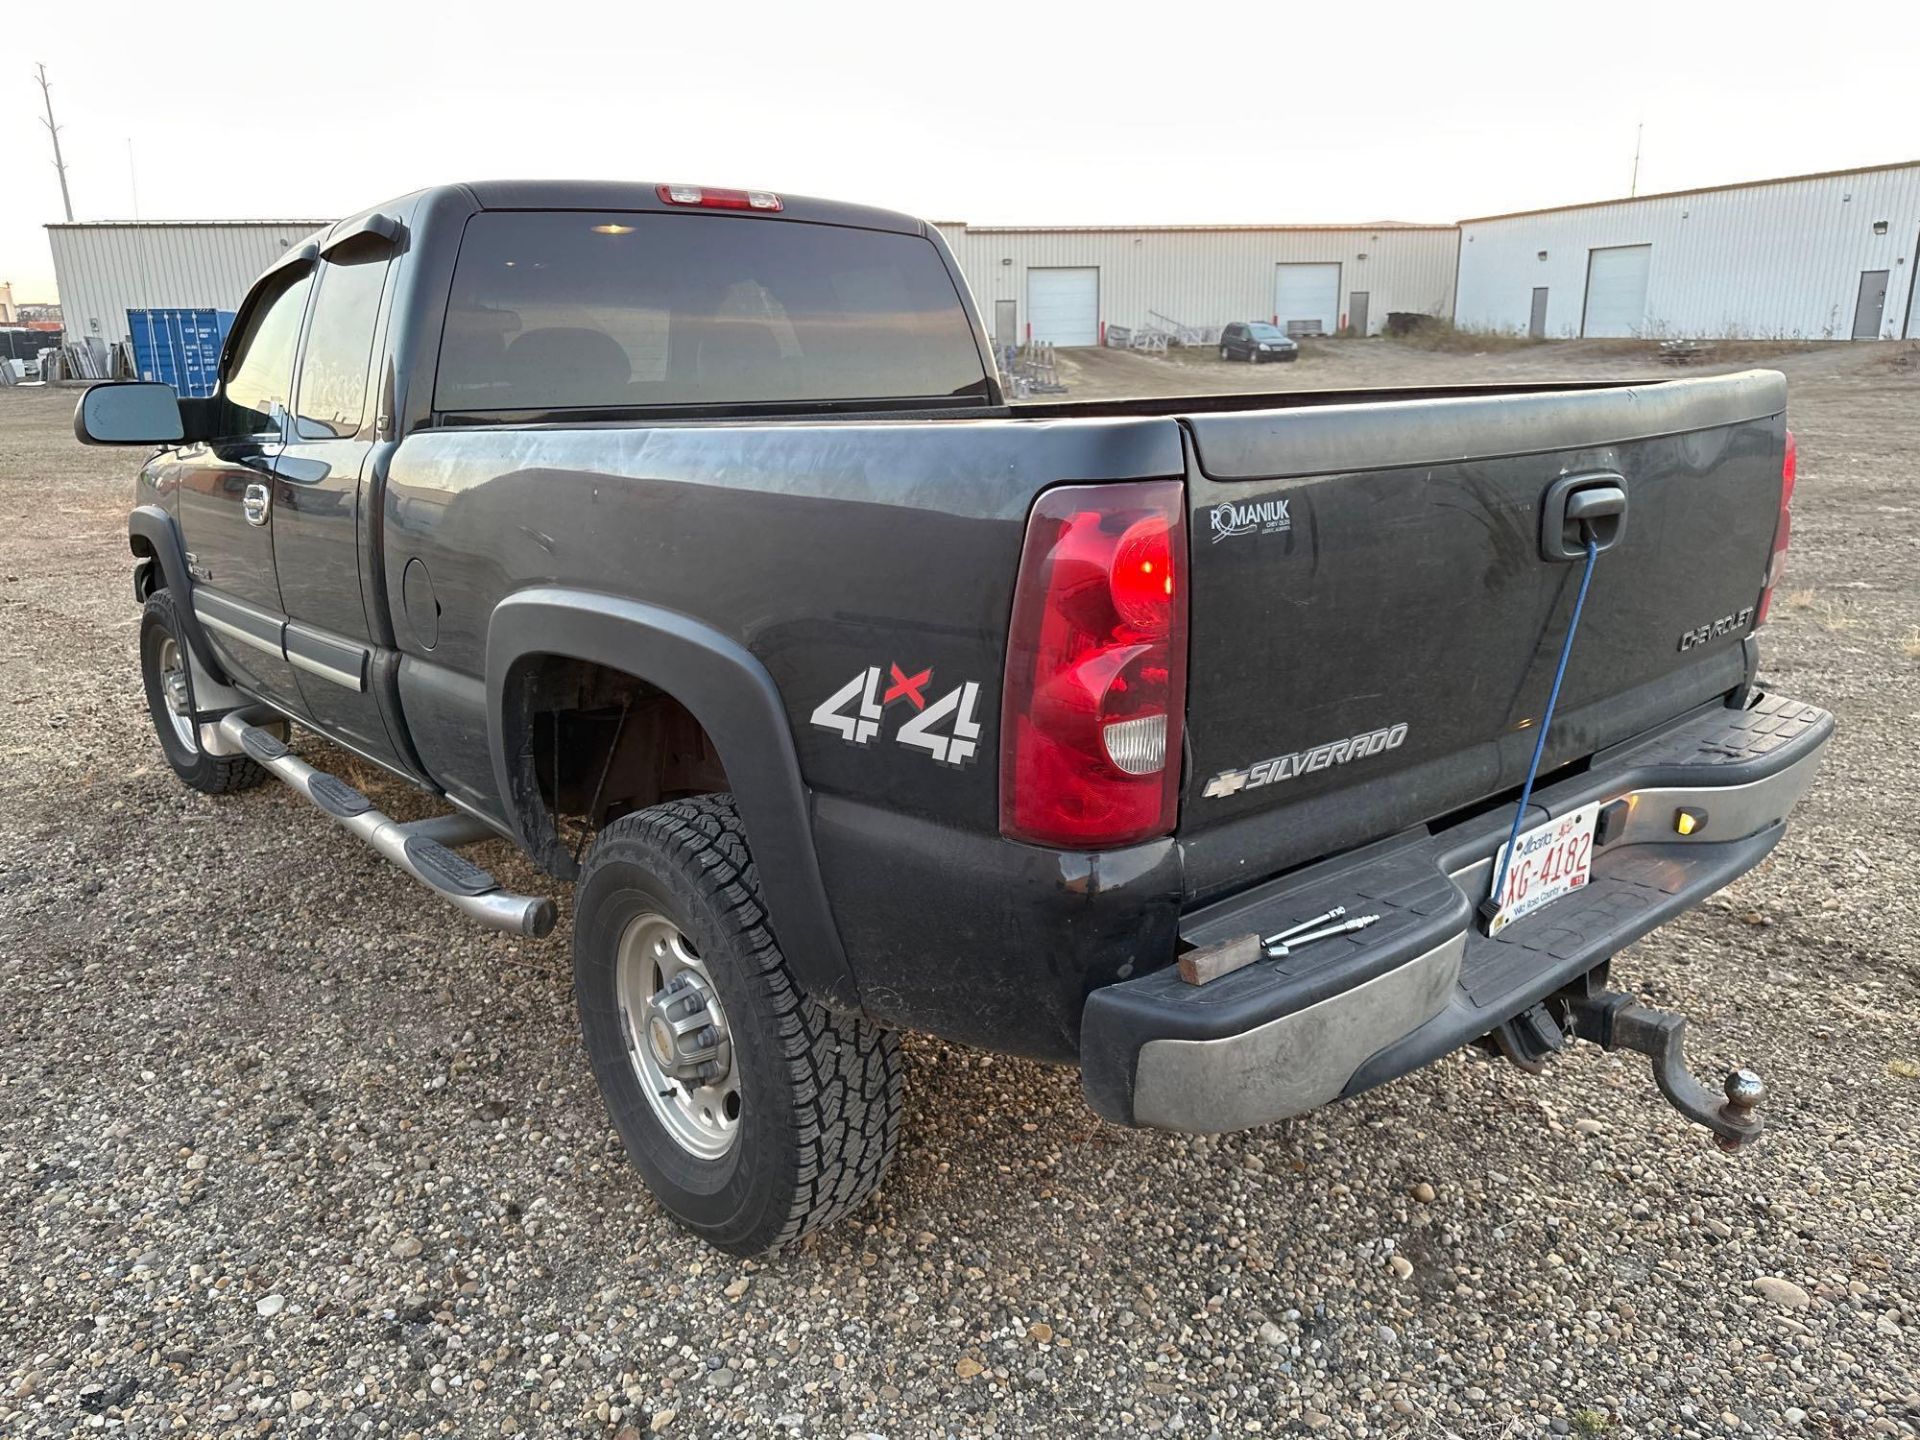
<point>1256,340</point>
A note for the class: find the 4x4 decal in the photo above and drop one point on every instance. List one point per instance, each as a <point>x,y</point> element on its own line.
<point>856,711</point>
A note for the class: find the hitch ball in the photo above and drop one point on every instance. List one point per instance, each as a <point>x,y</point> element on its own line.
<point>1619,1022</point>
<point>1745,1090</point>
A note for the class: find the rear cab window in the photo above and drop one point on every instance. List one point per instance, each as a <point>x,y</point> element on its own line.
<point>642,311</point>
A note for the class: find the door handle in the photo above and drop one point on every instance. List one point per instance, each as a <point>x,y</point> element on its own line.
<point>1578,508</point>
<point>256,503</point>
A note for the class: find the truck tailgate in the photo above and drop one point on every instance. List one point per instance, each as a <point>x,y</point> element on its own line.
<point>1374,626</point>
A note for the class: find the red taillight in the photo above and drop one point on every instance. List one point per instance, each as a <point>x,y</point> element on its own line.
<point>710,198</point>
<point>1096,668</point>
<point>1782,530</point>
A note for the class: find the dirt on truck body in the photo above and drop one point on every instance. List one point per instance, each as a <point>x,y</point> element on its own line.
<point>1248,751</point>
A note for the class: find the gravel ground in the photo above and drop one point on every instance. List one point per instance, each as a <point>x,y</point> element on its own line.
<point>271,1163</point>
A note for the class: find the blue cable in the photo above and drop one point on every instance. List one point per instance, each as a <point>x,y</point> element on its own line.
<point>1492,907</point>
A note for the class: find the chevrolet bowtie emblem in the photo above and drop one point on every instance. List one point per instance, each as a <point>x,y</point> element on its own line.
<point>1227,782</point>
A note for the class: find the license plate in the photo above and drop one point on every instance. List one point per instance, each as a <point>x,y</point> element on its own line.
<point>1549,861</point>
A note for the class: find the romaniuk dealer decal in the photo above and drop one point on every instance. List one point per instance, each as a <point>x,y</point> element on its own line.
<point>947,728</point>
<point>1231,519</point>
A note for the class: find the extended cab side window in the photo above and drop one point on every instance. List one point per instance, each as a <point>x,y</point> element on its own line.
<point>332,399</point>
<point>259,382</point>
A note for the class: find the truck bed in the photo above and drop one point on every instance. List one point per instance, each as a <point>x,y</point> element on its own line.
<point>1210,403</point>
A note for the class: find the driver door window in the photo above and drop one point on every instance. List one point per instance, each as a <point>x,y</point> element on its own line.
<point>259,384</point>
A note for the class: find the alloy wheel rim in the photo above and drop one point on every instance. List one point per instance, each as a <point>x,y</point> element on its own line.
<point>177,692</point>
<point>677,1037</point>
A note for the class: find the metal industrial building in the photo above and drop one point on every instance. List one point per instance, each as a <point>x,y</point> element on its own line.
<point>1828,256</point>
<point>107,268</point>
<point>1065,284</point>
<point>1815,257</point>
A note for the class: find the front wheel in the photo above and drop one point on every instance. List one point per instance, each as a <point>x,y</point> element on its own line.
<point>169,684</point>
<point>754,1114</point>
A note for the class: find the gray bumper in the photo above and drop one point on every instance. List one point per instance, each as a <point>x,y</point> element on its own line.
<point>1283,1037</point>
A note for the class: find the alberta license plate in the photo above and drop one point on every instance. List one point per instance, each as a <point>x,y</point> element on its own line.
<point>1549,861</point>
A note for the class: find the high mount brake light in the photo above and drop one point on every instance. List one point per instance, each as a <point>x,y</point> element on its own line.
<point>1096,678</point>
<point>709,198</point>
<point>1782,530</point>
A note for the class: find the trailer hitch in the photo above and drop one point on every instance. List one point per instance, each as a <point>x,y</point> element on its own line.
<point>1616,1021</point>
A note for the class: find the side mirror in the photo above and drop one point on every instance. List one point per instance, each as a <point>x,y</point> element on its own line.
<point>128,412</point>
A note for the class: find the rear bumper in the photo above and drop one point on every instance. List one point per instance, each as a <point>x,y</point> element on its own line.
<point>1284,1036</point>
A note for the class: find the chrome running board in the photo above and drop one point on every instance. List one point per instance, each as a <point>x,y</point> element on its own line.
<point>422,848</point>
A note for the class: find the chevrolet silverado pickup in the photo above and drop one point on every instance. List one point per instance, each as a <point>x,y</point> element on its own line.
<point>1247,751</point>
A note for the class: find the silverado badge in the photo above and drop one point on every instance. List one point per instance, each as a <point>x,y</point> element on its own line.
<point>1306,762</point>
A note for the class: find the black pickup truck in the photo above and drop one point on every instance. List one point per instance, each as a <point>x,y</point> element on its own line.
<point>683,537</point>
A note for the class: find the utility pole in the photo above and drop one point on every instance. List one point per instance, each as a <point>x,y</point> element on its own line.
<point>1633,186</point>
<point>46,94</point>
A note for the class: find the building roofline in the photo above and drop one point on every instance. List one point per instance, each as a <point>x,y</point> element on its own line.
<point>185,224</point>
<point>1696,190</point>
<point>1354,227</point>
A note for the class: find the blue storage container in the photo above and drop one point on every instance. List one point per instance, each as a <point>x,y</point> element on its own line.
<point>180,348</point>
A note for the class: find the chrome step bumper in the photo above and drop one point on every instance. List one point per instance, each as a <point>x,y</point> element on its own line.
<point>1284,1036</point>
<point>422,848</point>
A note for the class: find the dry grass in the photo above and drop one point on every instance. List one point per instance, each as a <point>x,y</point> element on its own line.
<point>1795,601</point>
<point>1744,352</point>
<point>1444,336</point>
<point>1835,617</point>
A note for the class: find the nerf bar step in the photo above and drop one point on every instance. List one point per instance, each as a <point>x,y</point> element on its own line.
<point>419,847</point>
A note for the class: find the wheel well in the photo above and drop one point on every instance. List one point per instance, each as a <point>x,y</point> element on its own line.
<point>589,744</point>
<point>147,574</point>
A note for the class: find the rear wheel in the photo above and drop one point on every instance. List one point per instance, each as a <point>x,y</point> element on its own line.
<point>754,1113</point>
<point>169,684</point>
<point>1225,353</point>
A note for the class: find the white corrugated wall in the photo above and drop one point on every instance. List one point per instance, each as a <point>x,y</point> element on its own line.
<point>104,270</point>
<point>1779,260</point>
<point>1211,276</point>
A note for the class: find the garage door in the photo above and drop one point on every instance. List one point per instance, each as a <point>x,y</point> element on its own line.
<point>1617,290</point>
<point>1064,305</point>
<point>1306,299</point>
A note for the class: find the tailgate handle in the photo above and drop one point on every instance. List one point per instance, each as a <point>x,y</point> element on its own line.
<point>1579,506</point>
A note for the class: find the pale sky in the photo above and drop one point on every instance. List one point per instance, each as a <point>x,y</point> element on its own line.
<point>987,112</point>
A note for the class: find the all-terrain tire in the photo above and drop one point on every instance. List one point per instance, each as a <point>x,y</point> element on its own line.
<point>820,1092</point>
<point>161,639</point>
